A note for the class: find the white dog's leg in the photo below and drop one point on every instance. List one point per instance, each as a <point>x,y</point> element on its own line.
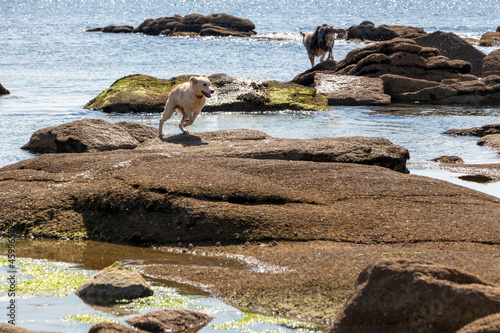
<point>167,113</point>
<point>187,119</point>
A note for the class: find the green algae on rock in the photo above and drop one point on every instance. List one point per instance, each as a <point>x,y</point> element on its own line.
<point>142,93</point>
<point>136,93</point>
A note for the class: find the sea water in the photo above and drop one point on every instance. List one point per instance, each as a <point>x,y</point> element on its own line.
<point>52,67</point>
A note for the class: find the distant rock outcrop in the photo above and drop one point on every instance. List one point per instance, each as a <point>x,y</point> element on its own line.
<point>190,25</point>
<point>367,31</point>
<point>415,296</point>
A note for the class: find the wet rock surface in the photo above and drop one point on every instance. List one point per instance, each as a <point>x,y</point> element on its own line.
<point>89,135</point>
<point>416,296</point>
<point>190,25</point>
<point>351,90</point>
<point>489,134</point>
<point>7,328</point>
<point>488,324</point>
<point>141,93</point>
<point>114,283</point>
<point>174,320</point>
<point>113,328</point>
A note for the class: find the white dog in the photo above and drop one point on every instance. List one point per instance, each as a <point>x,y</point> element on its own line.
<point>188,99</point>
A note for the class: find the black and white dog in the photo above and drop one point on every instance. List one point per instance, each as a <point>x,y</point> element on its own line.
<point>319,42</point>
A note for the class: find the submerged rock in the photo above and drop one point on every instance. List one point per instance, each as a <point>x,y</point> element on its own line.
<point>173,320</point>
<point>416,296</point>
<point>88,135</point>
<point>141,93</point>
<point>475,131</point>
<point>448,159</point>
<point>114,283</point>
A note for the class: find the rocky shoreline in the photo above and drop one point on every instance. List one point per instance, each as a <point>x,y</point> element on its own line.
<point>316,211</point>
<point>348,238</point>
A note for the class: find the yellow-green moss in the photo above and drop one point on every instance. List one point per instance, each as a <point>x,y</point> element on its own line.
<point>297,97</point>
<point>250,319</point>
<point>41,278</point>
<point>90,318</point>
<point>136,88</point>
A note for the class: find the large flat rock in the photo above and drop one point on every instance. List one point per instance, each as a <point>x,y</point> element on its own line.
<point>351,90</point>
<point>240,185</point>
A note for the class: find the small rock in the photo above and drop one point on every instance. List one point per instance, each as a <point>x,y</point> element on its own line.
<point>173,320</point>
<point>113,328</point>
<point>114,283</point>
<point>448,159</point>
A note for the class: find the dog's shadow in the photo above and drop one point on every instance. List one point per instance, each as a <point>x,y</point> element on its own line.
<point>184,139</point>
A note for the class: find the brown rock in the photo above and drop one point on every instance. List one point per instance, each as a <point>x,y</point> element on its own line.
<point>173,320</point>
<point>448,159</point>
<point>475,131</point>
<point>234,194</point>
<point>465,93</point>
<point>491,64</point>
<point>89,135</point>
<point>351,90</point>
<point>396,84</point>
<point>307,78</point>
<point>367,31</point>
<point>490,39</point>
<point>490,140</point>
<point>454,47</point>
<point>7,328</point>
<point>416,296</point>
<point>488,324</point>
<point>113,328</point>
<point>114,283</point>
<point>3,91</point>
<point>196,24</point>
<point>403,57</point>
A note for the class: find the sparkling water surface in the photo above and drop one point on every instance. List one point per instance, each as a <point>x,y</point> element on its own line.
<point>52,67</point>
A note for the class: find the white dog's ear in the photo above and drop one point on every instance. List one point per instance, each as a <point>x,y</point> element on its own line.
<point>203,75</point>
<point>193,79</point>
